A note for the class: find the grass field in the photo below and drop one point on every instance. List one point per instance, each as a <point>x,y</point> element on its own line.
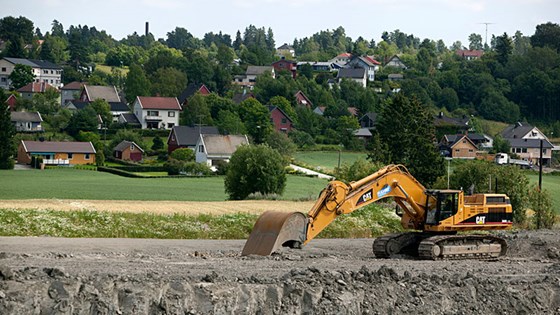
<point>81,184</point>
<point>552,185</point>
<point>328,159</point>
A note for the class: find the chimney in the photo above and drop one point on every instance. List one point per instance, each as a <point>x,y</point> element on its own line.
<point>147,28</point>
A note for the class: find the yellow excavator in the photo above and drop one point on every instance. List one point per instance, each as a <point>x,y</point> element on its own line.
<point>435,215</point>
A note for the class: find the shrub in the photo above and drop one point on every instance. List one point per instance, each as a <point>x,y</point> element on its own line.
<point>255,169</point>
<point>183,154</point>
<point>174,167</point>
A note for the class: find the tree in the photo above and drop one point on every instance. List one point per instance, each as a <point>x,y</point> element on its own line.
<point>46,103</point>
<point>475,42</point>
<point>500,145</point>
<point>407,128</point>
<point>547,34</point>
<point>196,112</point>
<point>127,135</point>
<point>255,169</point>
<point>228,122</point>
<point>256,118</point>
<point>504,48</point>
<point>168,82</point>
<point>541,203</point>
<point>54,49</point>
<point>83,120</point>
<point>21,76</point>
<point>103,109</point>
<point>136,84</point>
<point>157,143</point>
<point>7,133</point>
<point>281,143</point>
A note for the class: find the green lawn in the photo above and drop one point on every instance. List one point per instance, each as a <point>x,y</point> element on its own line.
<point>551,184</point>
<point>327,159</point>
<point>81,184</point>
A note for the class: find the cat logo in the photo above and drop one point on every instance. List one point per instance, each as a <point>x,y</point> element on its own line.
<point>480,220</point>
<point>367,196</point>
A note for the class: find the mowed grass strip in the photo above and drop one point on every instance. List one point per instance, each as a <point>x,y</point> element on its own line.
<point>328,159</point>
<point>370,221</point>
<point>84,184</point>
<point>551,183</point>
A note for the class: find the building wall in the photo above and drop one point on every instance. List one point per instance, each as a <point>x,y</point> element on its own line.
<point>66,95</point>
<point>77,158</point>
<point>163,114</point>
<point>277,117</point>
<point>50,76</point>
<point>463,150</point>
<point>6,69</point>
<point>532,154</point>
<point>129,154</point>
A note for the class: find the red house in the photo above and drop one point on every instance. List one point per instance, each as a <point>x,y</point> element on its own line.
<point>191,90</point>
<point>302,100</point>
<point>285,65</point>
<point>281,121</point>
<point>11,101</point>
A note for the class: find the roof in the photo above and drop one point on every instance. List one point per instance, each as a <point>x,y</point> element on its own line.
<point>353,111</point>
<point>257,70</point>
<point>26,117</point>
<point>358,73</point>
<point>371,115</point>
<point>158,102</point>
<point>368,60</point>
<point>272,107</point>
<point>58,147</point>
<point>529,143</point>
<point>240,97</point>
<point>286,46</point>
<point>469,53</point>
<point>518,130</point>
<point>108,93</point>
<point>35,87</point>
<point>344,55</point>
<point>77,103</point>
<point>130,118</point>
<point>222,145</point>
<point>188,136</point>
<point>362,132</point>
<point>301,97</point>
<point>395,76</point>
<point>189,91</point>
<point>125,144</point>
<point>441,120</point>
<point>34,63</point>
<point>75,85</point>
<point>118,107</point>
<point>458,138</point>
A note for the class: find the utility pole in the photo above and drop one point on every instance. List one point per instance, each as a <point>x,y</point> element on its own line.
<point>486,35</point>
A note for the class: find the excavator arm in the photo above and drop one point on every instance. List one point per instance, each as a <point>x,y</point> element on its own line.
<point>276,229</point>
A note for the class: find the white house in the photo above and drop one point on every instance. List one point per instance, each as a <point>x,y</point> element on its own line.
<point>157,112</point>
<point>43,71</point>
<point>367,63</point>
<point>212,148</point>
<point>357,75</point>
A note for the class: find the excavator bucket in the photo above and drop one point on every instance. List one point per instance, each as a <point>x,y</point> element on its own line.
<point>274,230</point>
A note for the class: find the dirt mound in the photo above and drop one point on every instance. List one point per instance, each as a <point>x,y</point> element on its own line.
<point>124,276</point>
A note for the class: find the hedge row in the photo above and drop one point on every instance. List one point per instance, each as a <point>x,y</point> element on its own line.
<point>116,171</point>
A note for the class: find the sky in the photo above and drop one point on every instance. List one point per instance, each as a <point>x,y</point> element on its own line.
<point>449,20</point>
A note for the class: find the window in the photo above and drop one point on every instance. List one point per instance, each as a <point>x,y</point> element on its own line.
<point>201,148</point>
<point>86,156</point>
<point>284,120</point>
<point>170,114</point>
<point>3,69</point>
<point>543,151</point>
<point>132,147</point>
<point>153,113</point>
<point>470,150</point>
<point>524,150</point>
<point>3,79</point>
<point>170,125</point>
<point>70,156</point>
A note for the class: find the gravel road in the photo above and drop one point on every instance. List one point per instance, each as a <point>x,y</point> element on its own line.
<point>42,275</point>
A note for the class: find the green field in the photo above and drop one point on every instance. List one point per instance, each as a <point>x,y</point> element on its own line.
<point>82,184</point>
<point>552,185</point>
<point>328,159</point>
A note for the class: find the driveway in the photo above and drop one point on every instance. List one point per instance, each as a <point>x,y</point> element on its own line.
<point>311,172</point>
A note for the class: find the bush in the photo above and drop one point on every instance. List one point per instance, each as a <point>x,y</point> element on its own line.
<point>198,169</point>
<point>255,169</point>
<point>541,203</point>
<point>221,167</point>
<point>358,170</point>
<point>174,167</point>
<point>183,154</point>
<point>158,144</point>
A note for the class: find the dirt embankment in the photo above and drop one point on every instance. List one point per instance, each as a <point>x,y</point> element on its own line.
<point>127,276</point>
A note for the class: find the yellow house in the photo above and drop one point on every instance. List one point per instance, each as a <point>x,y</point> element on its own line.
<point>459,146</point>
<point>56,153</point>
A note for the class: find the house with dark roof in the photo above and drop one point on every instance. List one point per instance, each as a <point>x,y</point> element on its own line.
<point>91,93</point>
<point>251,74</point>
<point>320,110</point>
<point>525,141</point>
<point>27,121</point>
<point>128,151</point>
<point>191,90</point>
<point>33,88</point>
<point>118,108</point>
<point>285,50</point>
<point>283,64</point>
<point>280,120</point>
<point>240,97</point>
<point>157,112</point>
<point>367,63</point>
<point>186,137</point>
<point>129,119</point>
<point>396,62</point>
<point>70,91</point>
<point>355,74</point>
<point>449,125</point>
<point>56,153</point>
<point>368,120</point>
<point>212,149</point>
<point>73,105</point>
<point>302,100</point>
<point>469,54</point>
<point>43,71</point>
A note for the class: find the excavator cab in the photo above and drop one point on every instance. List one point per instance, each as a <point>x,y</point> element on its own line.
<point>447,204</point>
